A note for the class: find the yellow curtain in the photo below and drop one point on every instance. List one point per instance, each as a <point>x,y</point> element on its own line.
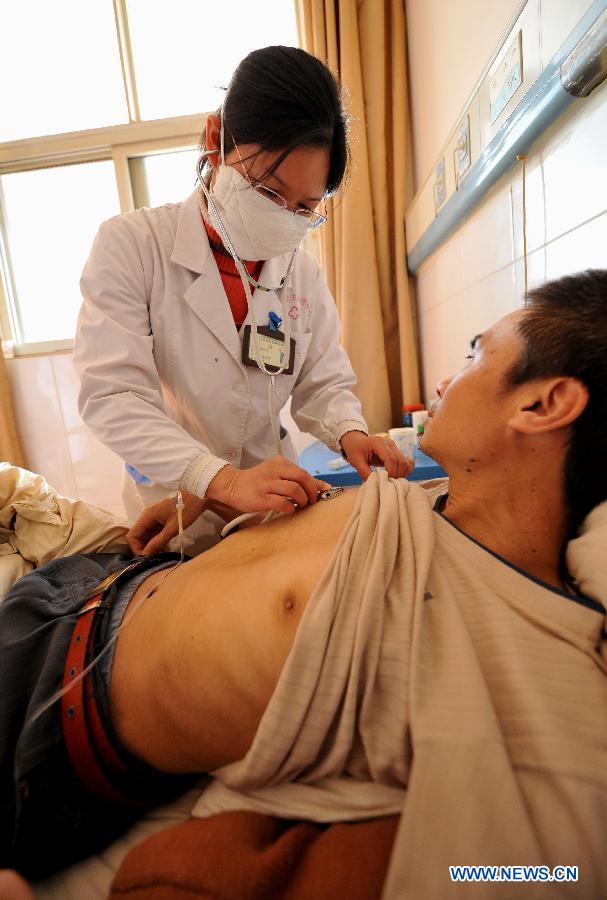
<point>363,243</point>
<point>10,448</point>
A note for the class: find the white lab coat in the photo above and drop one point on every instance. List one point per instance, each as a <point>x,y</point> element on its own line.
<point>159,355</point>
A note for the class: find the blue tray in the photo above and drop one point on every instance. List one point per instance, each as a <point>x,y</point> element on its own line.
<point>315,458</point>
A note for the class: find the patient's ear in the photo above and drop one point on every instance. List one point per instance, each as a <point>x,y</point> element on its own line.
<point>548,404</point>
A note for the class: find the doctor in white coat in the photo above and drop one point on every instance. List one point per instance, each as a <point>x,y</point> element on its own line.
<point>200,319</point>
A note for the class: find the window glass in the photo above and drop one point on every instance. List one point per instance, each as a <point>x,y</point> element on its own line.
<point>184,57</point>
<point>51,218</point>
<point>59,68</point>
<point>163,177</point>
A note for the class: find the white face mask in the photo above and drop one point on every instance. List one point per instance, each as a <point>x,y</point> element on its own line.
<point>256,226</point>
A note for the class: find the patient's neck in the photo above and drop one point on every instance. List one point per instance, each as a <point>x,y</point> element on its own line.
<point>520,514</point>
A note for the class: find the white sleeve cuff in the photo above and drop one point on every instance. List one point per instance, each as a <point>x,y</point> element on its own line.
<point>342,428</point>
<point>200,473</point>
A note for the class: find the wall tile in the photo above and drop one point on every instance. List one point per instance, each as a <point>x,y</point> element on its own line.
<point>536,274</point>
<point>583,248</point>
<point>67,391</point>
<point>48,455</point>
<point>446,330</point>
<point>97,471</point>
<point>575,178</point>
<point>434,347</point>
<point>441,276</point>
<point>478,307</point>
<point>35,401</point>
<point>486,238</point>
<point>534,203</point>
<point>558,19</point>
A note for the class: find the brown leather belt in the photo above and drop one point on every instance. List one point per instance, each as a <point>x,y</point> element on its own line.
<point>88,745</point>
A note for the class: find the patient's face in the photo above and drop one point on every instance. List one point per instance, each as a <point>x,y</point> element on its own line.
<point>467,424</point>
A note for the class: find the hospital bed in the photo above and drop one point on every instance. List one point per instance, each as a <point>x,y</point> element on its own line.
<point>231,854</point>
<point>168,853</point>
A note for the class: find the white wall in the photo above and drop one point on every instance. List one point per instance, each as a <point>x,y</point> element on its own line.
<point>477,276</point>
<point>449,43</point>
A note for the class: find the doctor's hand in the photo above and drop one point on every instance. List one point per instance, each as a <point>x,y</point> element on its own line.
<point>365,450</point>
<point>275,484</point>
<point>158,523</point>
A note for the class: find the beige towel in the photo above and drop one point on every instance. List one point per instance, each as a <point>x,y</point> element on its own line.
<point>37,525</point>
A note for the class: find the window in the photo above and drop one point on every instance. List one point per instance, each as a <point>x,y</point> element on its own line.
<point>51,217</point>
<point>103,104</point>
<point>59,68</point>
<point>163,177</point>
<point>183,59</point>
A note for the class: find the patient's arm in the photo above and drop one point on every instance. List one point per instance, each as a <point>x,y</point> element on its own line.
<point>158,522</point>
<point>197,665</point>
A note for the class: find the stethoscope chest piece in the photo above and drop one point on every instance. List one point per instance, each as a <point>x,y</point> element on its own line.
<point>330,494</point>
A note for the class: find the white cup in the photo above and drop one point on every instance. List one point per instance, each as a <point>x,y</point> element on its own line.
<point>405,439</point>
<point>419,418</point>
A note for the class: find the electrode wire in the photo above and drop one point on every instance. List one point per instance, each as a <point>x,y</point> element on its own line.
<point>54,698</point>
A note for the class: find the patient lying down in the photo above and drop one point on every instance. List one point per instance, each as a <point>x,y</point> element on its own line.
<point>433,645</point>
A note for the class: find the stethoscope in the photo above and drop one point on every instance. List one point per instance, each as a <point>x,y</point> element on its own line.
<point>247,279</point>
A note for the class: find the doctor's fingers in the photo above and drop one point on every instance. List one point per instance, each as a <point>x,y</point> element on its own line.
<point>288,471</point>
<point>358,458</point>
<point>387,454</point>
<point>290,490</point>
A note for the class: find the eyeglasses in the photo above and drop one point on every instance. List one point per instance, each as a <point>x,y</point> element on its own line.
<point>313,219</point>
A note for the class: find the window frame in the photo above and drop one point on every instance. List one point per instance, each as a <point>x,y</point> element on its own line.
<point>117,143</point>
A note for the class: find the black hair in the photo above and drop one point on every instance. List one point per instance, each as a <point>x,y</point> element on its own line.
<point>282,98</point>
<point>565,333</point>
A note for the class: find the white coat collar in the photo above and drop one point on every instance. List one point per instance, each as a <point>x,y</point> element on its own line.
<point>191,248</point>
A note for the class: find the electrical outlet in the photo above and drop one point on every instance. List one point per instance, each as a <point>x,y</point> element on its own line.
<point>440,186</point>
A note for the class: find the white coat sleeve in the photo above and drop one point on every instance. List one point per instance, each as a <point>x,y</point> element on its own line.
<point>322,400</point>
<point>120,395</point>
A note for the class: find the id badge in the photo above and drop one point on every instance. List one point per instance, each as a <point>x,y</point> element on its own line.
<point>271,350</point>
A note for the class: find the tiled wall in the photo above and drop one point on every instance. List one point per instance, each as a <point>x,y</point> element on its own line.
<point>477,275</point>
<point>56,442</point>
